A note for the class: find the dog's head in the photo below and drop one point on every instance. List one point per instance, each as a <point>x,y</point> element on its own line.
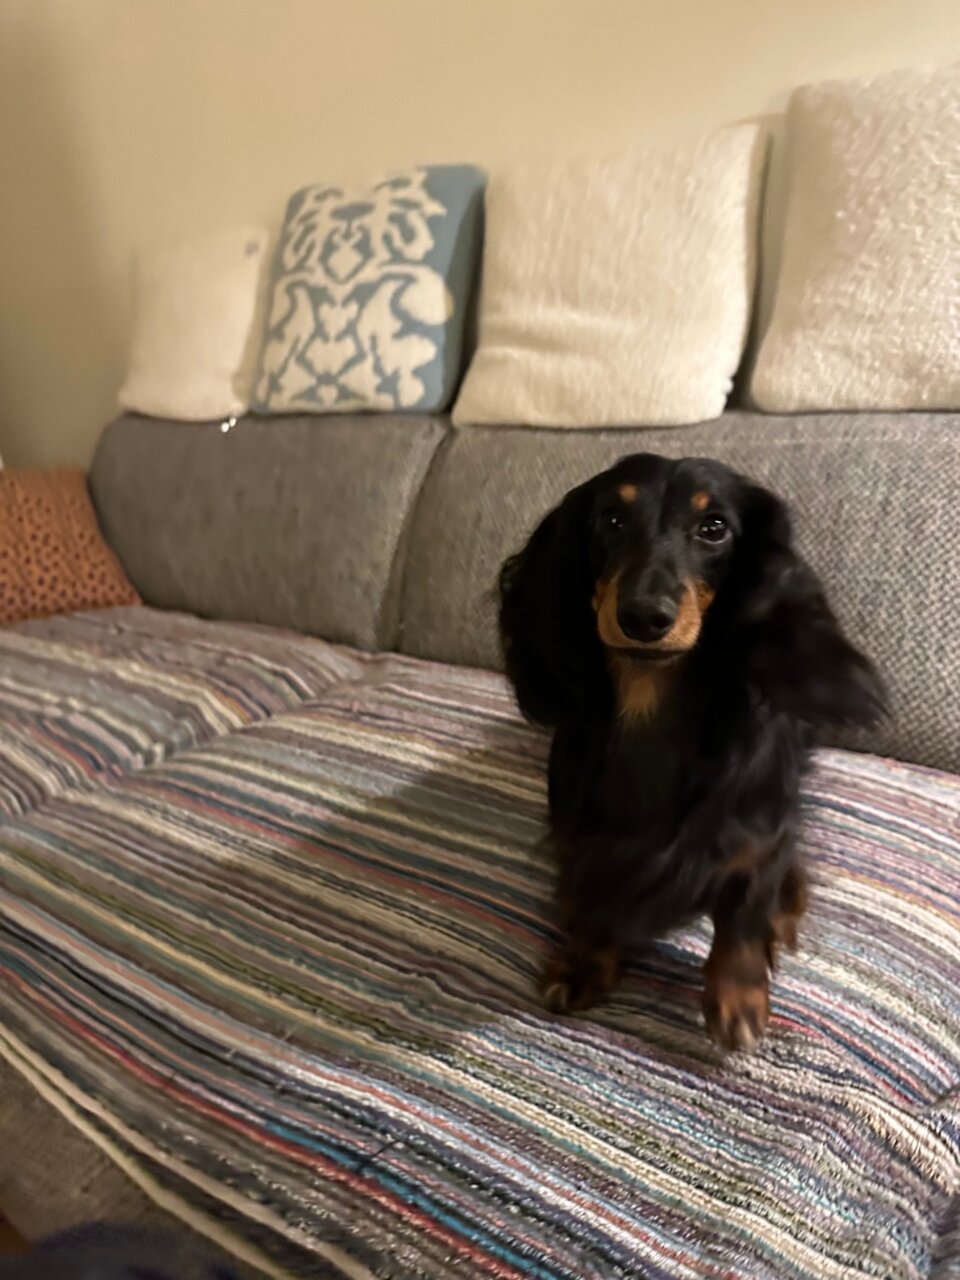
<point>657,557</point>
<point>660,539</point>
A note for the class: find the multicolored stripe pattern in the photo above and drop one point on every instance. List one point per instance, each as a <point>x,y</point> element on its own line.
<point>92,694</point>
<point>288,975</point>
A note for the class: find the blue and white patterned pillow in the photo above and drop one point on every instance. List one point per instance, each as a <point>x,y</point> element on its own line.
<point>369,294</point>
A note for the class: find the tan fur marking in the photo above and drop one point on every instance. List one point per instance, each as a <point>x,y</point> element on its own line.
<point>599,592</point>
<point>628,492</point>
<point>737,992</point>
<point>682,636</point>
<point>738,1014</point>
<point>686,630</point>
<point>700,500</point>
<point>578,977</point>
<point>639,689</point>
<point>605,604</point>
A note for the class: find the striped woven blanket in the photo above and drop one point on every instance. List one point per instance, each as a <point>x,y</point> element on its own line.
<point>283,971</point>
<point>104,693</point>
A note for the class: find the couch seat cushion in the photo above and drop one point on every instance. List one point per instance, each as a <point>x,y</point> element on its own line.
<point>93,694</point>
<point>288,978</point>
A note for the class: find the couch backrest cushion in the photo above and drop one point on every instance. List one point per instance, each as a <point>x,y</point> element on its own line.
<point>297,522</point>
<point>875,500</point>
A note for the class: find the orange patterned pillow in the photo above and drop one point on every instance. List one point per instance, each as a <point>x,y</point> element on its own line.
<point>53,558</point>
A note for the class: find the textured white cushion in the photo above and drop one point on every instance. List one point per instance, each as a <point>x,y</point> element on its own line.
<point>194,343</point>
<point>617,289</point>
<point>867,311</point>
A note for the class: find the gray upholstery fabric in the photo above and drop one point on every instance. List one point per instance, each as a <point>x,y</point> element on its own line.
<point>876,501</point>
<point>299,522</point>
<point>53,1177</point>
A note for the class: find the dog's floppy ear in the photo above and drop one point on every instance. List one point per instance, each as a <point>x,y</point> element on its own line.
<point>794,648</point>
<point>547,625</point>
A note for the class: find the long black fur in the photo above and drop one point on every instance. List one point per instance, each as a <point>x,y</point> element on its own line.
<point>649,817</point>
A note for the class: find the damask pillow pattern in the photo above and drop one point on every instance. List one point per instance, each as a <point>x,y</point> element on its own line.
<point>369,294</point>
<point>53,558</point>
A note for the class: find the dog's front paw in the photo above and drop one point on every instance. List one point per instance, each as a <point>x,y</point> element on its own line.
<point>577,980</point>
<point>737,1012</point>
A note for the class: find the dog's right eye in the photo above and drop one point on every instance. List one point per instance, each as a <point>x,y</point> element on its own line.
<point>613,521</point>
<point>713,528</point>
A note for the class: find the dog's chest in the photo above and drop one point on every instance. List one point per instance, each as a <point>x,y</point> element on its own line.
<point>643,787</point>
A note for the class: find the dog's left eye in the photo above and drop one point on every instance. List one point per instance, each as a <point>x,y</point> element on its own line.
<point>613,521</point>
<point>713,529</point>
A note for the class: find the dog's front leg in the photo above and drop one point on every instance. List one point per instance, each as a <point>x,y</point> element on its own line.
<point>750,924</point>
<point>586,965</point>
<point>736,998</point>
<point>582,971</point>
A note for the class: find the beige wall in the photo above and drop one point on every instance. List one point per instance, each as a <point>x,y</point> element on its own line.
<point>122,121</point>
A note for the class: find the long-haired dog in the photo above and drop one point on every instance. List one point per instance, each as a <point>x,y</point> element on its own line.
<point>661,624</point>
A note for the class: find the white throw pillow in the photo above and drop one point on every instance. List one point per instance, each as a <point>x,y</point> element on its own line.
<point>194,341</point>
<point>867,309</point>
<point>617,289</point>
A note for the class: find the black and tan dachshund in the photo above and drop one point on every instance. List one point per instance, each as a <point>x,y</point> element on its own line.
<point>661,624</point>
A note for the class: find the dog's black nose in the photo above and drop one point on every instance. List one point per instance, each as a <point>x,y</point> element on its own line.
<point>647,620</point>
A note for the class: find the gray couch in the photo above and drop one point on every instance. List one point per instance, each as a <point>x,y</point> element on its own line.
<point>273,909</point>
<point>387,533</point>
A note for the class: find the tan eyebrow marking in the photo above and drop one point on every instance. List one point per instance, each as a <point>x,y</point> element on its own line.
<point>628,492</point>
<point>700,500</point>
